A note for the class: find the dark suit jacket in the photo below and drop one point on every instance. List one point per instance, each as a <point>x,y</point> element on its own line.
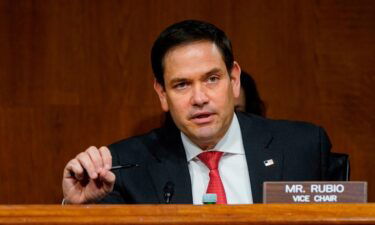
<point>299,151</point>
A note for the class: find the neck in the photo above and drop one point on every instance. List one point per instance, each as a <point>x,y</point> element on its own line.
<point>205,147</point>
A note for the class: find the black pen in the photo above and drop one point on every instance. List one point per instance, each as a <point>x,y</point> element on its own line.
<point>123,166</point>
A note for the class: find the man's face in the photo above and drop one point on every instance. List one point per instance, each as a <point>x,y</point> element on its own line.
<point>198,92</point>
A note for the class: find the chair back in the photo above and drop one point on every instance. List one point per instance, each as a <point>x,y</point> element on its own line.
<point>339,167</point>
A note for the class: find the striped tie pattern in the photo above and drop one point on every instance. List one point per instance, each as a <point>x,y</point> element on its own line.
<point>211,160</point>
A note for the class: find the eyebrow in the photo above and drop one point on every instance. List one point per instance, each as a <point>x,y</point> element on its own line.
<point>177,80</point>
<point>214,70</point>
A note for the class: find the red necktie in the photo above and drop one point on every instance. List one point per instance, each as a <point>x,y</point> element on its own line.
<point>211,160</point>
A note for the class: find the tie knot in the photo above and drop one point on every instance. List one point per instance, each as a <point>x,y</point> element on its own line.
<point>210,159</point>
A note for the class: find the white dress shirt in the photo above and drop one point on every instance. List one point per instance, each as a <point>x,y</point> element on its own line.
<point>233,168</point>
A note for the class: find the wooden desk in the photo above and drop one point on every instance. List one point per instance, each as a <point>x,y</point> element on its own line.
<point>188,214</point>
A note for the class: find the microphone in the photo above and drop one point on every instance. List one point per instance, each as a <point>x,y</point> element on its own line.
<point>168,192</point>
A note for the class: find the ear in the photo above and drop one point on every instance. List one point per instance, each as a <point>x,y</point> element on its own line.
<point>160,90</point>
<point>235,79</point>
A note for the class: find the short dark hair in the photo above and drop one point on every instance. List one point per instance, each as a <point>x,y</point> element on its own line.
<point>253,103</point>
<point>186,32</point>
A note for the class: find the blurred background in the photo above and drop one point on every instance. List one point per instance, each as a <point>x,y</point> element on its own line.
<point>76,73</point>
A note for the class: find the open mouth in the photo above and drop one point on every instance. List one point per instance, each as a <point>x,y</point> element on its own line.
<point>202,118</point>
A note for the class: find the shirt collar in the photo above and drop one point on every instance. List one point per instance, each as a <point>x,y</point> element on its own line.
<point>230,143</point>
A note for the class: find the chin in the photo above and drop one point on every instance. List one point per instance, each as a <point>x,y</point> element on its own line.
<point>205,134</point>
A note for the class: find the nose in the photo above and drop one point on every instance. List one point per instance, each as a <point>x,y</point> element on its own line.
<point>199,96</point>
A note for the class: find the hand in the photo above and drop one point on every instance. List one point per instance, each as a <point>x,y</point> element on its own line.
<point>87,177</point>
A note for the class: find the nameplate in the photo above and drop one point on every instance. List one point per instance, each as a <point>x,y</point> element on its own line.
<point>315,192</point>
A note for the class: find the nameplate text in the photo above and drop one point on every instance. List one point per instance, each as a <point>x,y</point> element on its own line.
<point>315,192</point>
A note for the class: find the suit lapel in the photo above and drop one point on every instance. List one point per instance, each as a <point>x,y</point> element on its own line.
<point>171,166</point>
<point>264,163</point>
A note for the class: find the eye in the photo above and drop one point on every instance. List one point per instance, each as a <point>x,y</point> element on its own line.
<point>180,85</point>
<point>213,79</point>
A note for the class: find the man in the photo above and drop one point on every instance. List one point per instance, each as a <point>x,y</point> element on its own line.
<point>197,79</point>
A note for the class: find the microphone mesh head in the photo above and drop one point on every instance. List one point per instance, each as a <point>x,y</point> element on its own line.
<point>209,198</point>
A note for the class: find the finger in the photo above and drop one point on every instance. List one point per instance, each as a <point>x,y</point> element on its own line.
<point>75,168</point>
<point>95,158</point>
<point>106,157</point>
<point>85,160</point>
<point>108,178</point>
